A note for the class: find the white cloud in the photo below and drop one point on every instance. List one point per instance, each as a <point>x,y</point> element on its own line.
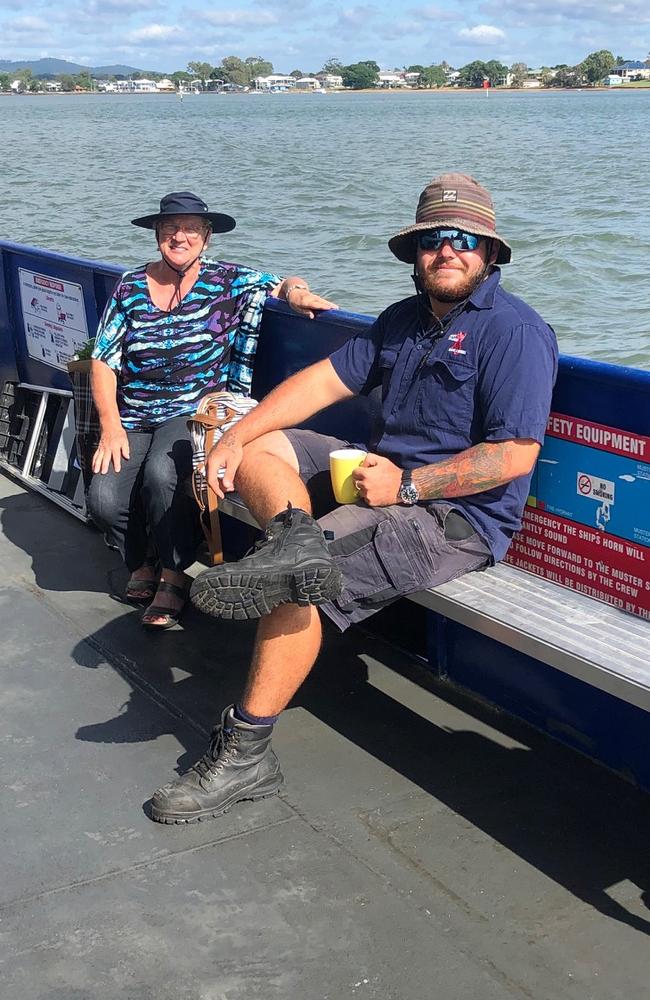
<point>123,5</point>
<point>399,29</point>
<point>224,18</point>
<point>21,5</point>
<point>432,13</point>
<point>527,12</point>
<point>283,5</point>
<point>102,7</point>
<point>27,24</point>
<point>154,33</point>
<point>483,34</point>
<point>356,23</point>
<point>356,15</point>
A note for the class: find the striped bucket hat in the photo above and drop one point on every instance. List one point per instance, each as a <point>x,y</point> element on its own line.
<point>451,201</point>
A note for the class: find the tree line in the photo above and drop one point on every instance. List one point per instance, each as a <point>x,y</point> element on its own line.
<point>358,76</point>
<point>34,84</point>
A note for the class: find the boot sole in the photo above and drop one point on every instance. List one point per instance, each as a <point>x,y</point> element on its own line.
<point>264,791</point>
<point>239,596</point>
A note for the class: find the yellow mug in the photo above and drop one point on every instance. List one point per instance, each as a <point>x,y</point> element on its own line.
<point>343,462</point>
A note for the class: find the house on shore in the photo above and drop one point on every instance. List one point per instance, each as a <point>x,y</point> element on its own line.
<point>331,81</point>
<point>274,82</point>
<point>308,83</point>
<point>631,70</point>
<point>389,81</point>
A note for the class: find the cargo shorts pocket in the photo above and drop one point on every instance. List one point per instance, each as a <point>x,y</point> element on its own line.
<point>393,560</point>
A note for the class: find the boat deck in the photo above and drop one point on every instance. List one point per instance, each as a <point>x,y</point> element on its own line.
<point>424,846</point>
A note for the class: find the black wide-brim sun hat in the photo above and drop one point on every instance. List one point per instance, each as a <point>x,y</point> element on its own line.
<point>186,203</point>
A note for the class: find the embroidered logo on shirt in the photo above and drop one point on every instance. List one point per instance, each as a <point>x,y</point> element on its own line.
<point>456,343</point>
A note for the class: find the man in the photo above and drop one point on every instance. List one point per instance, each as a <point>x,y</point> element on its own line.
<point>466,372</point>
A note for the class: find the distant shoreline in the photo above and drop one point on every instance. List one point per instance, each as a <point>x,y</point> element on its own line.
<point>370,90</point>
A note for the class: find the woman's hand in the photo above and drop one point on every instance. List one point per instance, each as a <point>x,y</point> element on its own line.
<point>296,293</point>
<point>113,447</point>
<point>222,464</point>
<point>306,302</point>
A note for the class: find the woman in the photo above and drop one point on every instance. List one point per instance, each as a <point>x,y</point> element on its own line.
<point>173,330</point>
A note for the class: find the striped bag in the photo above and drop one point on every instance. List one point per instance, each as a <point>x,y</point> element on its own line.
<point>217,412</point>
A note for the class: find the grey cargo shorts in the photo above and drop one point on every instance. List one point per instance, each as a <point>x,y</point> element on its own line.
<point>383,552</point>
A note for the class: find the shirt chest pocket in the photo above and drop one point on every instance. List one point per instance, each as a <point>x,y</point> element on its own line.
<point>446,395</point>
<point>387,361</point>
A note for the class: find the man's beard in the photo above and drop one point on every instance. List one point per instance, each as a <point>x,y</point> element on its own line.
<point>429,284</point>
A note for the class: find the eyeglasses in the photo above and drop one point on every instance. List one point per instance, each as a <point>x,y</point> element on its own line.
<point>190,229</point>
<point>458,238</point>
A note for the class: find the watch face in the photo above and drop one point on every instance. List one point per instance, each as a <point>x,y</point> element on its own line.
<point>408,493</point>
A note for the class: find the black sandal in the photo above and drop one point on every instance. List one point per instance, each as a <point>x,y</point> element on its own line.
<point>141,592</point>
<point>172,616</point>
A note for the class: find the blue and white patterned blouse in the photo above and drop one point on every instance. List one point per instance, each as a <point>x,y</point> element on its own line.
<point>165,361</point>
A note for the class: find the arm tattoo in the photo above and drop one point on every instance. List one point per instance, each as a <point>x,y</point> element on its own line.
<point>475,470</point>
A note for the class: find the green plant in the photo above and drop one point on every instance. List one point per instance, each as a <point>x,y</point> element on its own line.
<point>84,353</point>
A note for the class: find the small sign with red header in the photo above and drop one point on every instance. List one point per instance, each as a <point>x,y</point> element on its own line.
<point>587,521</point>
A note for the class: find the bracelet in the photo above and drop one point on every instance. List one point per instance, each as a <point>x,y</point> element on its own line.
<point>292,288</point>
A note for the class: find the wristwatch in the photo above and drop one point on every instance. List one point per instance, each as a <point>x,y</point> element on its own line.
<point>408,491</point>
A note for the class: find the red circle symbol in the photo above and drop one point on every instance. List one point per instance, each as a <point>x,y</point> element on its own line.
<point>584,484</point>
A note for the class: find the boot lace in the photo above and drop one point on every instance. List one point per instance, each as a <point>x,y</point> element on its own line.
<point>272,535</point>
<point>223,743</point>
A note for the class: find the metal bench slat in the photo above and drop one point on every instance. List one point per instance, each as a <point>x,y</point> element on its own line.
<point>502,586</point>
<point>602,622</point>
<point>609,666</point>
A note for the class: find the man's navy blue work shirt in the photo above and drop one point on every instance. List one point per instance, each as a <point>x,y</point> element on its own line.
<point>487,375</point>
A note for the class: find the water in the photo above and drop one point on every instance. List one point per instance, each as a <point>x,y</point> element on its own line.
<point>318,184</point>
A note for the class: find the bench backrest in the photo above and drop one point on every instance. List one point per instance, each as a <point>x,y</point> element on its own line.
<point>289,343</point>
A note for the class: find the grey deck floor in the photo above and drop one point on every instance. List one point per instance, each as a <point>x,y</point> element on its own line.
<point>424,846</point>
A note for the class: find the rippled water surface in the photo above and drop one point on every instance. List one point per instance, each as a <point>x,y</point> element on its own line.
<point>318,184</point>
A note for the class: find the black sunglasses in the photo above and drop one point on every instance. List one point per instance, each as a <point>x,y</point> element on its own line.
<point>461,241</point>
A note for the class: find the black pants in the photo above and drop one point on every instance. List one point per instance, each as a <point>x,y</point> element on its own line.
<point>148,508</point>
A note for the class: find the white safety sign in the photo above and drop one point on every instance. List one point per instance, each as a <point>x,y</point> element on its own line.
<point>54,317</point>
<point>595,487</point>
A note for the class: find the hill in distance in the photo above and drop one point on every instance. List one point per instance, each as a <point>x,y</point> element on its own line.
<point>118,70</point>
<point>52,67</point>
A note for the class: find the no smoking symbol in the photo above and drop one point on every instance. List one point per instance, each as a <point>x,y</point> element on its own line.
<point>584,484</point>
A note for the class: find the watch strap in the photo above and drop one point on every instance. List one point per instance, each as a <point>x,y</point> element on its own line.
<point>408,491</point>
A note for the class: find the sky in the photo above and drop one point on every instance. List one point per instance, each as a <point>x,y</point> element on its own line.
<point>302,34</point>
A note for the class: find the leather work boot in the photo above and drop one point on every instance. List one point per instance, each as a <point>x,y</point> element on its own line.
<point>290,565</point>
<point>239,764</point>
